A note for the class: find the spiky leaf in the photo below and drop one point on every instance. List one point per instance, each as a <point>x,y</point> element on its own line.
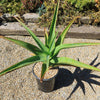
<point>25,45</point>
<point>64,46</point>
<point>46,38</point>
<point>43,71</point>
<point>45,67</point>
<point>37,40</point>
<point>23,63</point>
<point>69,61</point>
<point>63,34</point>
<point>53,27</point>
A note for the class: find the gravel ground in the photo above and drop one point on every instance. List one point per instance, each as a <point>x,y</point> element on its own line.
<point>71,84</point>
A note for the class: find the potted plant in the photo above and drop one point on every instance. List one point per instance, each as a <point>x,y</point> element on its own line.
<point>47,54</point>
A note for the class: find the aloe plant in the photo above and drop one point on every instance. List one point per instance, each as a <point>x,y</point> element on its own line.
<point>47,53</point>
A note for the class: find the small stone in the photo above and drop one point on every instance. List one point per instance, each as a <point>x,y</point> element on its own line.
<point>86,20</point>
<point>8,49</point>
<point>31,17</point>
<point>8,17</point>
<point>58,98</point>
<point>98,97</point>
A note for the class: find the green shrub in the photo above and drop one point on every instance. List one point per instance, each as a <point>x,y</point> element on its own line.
<point>31,5</point>
<point>81,4</point>
<point>65,11</point>
<point>68,9</point>
<point>20,6</point>
<point>12,6</point>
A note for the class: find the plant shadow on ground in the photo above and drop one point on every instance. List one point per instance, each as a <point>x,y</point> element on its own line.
<point>66,78</point>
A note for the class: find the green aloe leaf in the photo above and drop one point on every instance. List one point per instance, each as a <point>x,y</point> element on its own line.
<point>53,27</point>
<point>25,45</point>
<point>46,38</point>
<point>23,63</point>
<point>45,67</point>
<point>69,61</point>
<point>64,46</point>
<point>37,40</point>
<point>52,47</point>
<point>43,71</point>
<point>63,34</point>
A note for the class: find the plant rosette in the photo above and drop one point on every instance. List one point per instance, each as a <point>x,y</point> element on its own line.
<point>48,53</point>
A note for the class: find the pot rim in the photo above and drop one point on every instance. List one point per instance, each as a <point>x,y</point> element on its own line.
<point>44,79</point>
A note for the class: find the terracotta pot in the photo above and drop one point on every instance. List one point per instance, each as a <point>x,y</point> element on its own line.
<point>47,85</point>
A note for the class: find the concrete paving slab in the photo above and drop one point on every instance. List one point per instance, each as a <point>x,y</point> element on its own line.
<point>85,31</point>
<point>72,84</point>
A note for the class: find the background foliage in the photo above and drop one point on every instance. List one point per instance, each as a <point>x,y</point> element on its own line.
<point>20,6</point>
<point>68,9</point>
<point>71,8</point>
<point>12,6</point>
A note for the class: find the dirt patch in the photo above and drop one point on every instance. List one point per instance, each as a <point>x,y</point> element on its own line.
<point>49,74</point>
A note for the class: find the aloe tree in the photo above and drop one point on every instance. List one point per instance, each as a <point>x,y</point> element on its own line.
<point>48,52</point>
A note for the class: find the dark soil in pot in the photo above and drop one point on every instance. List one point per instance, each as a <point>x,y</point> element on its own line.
<point>49,79</point>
